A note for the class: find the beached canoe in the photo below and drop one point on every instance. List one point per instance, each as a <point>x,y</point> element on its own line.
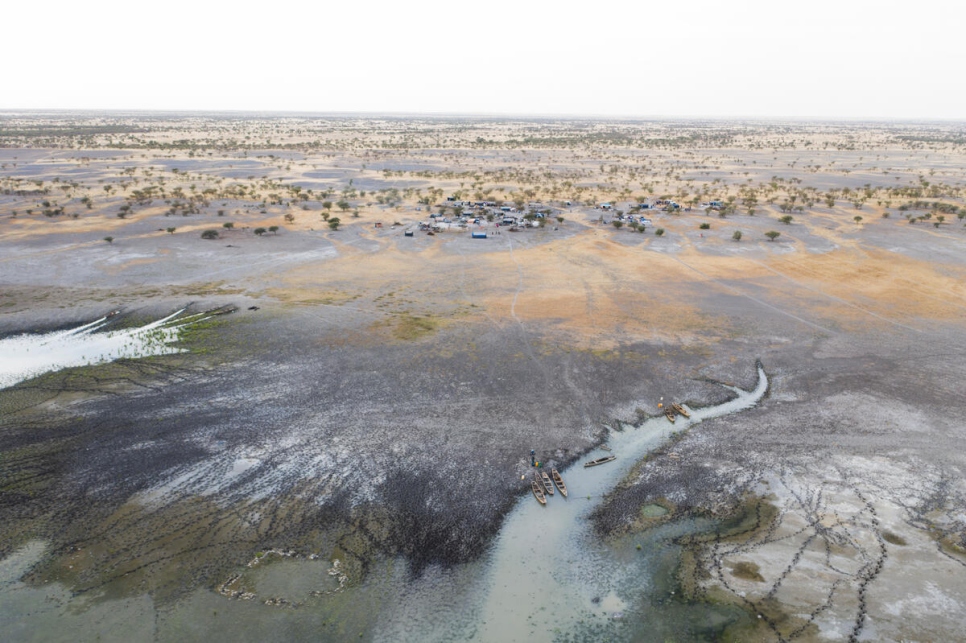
<point>557,480</point>
<point>683,411</point>
<point>594,463</point>
<point>669,413</point>
<point>538,492</point>
<point>545,479</point>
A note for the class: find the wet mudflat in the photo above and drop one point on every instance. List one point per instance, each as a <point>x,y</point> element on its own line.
<point>341,458</point>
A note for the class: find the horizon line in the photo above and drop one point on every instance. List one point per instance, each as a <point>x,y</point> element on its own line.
<point>478,115</point>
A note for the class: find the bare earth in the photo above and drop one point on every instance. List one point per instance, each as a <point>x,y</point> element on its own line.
<point>383,398</point>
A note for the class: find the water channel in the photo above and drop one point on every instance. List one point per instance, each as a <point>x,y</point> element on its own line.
<point>548,577</point>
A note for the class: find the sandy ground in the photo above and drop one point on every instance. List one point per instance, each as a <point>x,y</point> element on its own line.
<point>382,376</point>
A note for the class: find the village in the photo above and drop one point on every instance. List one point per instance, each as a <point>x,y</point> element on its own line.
<point>482,216</point>
<point>419,303</point>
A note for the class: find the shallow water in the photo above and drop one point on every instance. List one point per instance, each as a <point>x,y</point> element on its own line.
<point>548,576</point>
<point>23,357</point>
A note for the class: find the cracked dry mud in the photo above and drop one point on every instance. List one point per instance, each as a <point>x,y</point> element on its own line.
<point>361,436</point>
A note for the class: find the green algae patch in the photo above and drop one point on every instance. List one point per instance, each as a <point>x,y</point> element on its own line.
<point>751,516</point>
<point>762,620</point>
<point>657,512</point>
<point>409,328</point>
<point>747,571</point>
<point>654,511</point>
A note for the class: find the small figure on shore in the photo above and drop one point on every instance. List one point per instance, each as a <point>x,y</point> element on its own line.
<point>533,458</point>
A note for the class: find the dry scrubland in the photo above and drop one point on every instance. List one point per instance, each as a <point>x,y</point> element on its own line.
<point>382,399</point>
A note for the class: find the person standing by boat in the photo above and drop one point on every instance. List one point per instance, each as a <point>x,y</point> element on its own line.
<point>533,458</point>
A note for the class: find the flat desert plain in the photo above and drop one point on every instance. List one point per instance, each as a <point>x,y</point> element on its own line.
<point>371,323</point>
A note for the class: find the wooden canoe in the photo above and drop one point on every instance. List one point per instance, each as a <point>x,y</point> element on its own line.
<point>594,463</point>
<point>669,413</point>
<point>557,480</point>
<point>538,492</point>
<point>547,485</point>
<point>680,409</point>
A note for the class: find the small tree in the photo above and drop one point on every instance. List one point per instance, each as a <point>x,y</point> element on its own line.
<point>737,235</point>
<point>659,232</point>
<point>772,235</point>
<point>273,229</point>
<point>787,219</point>
<point>560,219</point>
<point>334,223</point>
<point>705,226</point>
<point>259,231</point>
<point>857,218</point>
<point>109,239</point>
<point>327,205</point>
<point>289,218</point>
<point>227,225</point>
<point>209,234</point>
<point>170,230</point>
<point>617,224</point>
<point>343,205</point>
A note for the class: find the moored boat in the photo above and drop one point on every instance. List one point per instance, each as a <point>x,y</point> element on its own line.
<point>669,413</point>
<point>594,463</point>
<point>680,409</point>
<point>537,489</point>
<point>557,480</point>
<point>545,479</point>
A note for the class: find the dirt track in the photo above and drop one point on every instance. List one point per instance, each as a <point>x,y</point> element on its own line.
<point>385,396</point>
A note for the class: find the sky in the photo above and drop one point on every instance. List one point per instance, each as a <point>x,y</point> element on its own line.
<point>852,59</point>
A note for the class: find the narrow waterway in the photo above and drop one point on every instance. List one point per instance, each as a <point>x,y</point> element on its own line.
<point>548,576</point>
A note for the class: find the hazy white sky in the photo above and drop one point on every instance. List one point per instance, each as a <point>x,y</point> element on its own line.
<point>822,58</point>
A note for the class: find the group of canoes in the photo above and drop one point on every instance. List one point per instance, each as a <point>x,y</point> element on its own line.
<point>669,412</point>
<point>543,485</point>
